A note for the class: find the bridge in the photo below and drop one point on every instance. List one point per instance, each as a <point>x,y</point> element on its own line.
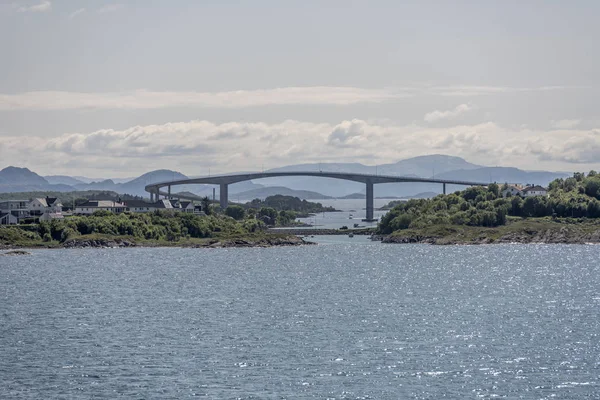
<point>223,181</point>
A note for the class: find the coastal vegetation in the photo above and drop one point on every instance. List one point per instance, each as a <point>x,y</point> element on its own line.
<point>236,222</point>
<point>571,201</point>
<point>157,228</point>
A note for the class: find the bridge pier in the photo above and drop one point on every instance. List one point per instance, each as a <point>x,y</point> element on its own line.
<point>223,195</point>
<point>444,187</point>
<point>169,188</point>
<point>369,208</point>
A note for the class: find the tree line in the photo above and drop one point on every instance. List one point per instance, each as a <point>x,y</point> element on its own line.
<point>158,225</point>
<point>576,197</point>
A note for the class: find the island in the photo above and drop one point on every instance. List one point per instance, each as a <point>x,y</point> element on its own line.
<point>567,212</point>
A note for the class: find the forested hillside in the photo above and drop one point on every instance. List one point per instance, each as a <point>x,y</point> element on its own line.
<point>574,197</point>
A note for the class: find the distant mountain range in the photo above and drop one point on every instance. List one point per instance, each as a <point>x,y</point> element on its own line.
<point>432,166</point>
<point>14,179</point>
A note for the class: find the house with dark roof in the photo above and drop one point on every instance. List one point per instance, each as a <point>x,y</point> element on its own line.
<point>33,210</point>
<point>40,206</point>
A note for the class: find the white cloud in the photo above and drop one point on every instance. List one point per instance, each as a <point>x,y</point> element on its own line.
<point>471,91</point>
<point>195,146</point>
<point>41,7</point>
<point>348,133</point>
<point>439,115</point>
<point>566,123</point>
<point>576,147</point>
<point>76,13</point>
<point>144,99</point>
<point>314,95</point>
<point>110,8</point>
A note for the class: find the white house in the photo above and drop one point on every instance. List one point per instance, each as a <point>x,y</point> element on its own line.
<point>512,190</point>
<point>91,206</point>
<point>37,207</point>
<point>534,191</point>
<point>140,206</point>
<point>524,191</point>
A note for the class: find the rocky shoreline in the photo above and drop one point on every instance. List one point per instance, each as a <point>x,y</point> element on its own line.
<point>85,243</point>
<point>564,235</point>
<point>16,253</point>
<point>319,231</point>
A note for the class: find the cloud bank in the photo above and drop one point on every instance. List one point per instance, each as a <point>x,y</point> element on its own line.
<point>144,99</point>
<point>310,95</point>
<point>195,146</point>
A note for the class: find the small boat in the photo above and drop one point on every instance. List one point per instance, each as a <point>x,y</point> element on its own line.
<point>351,234</point>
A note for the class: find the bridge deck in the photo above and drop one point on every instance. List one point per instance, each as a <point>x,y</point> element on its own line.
<point>369,180</point>
<point>362,178</point>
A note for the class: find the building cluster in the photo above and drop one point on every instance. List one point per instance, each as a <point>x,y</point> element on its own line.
<point>13,212</point>
<point>137,206</point>
<point>524,191</point>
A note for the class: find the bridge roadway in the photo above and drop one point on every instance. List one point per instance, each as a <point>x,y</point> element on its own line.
<point>225,180</point>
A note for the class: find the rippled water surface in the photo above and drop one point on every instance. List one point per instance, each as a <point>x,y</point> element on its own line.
<point>347,319</point>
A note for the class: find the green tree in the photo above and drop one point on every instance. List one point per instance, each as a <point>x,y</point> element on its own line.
<point>205,203</point>
<point>235,212</point>
<point>569,184</point>
<point>402,221</point>
<point>593,209</point>
<point>494,189</point>
<point>268,215</point>
<point>592,187</point>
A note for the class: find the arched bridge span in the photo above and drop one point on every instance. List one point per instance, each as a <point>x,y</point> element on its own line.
<point>369,180</point>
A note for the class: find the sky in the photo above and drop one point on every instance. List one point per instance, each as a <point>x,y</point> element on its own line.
<point>114,89</point>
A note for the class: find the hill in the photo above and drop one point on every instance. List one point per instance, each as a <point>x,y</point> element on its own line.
<point>439,166</point>
<point>15,179</point>
<point>504,174</point>
<point>422,166</point>
<point>63,180</point>
<point>21,176</point>
<point>135,186</point>
<point>263,193</point>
